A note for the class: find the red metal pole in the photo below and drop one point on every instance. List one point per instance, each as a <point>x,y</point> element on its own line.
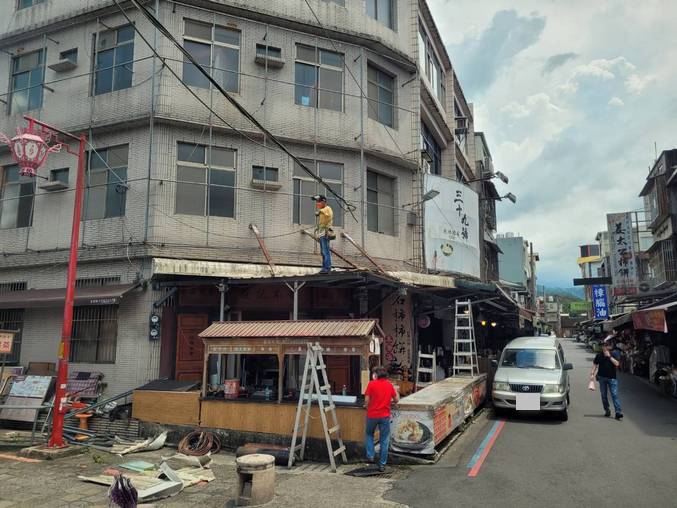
<point>56,439</point>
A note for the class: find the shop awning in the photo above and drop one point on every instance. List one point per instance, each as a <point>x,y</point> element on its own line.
<point>653,318</point>
<point>621,320</point>
<point>36,298</point>
<point>310,329</point>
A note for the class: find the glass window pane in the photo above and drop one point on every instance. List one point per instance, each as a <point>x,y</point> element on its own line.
<point>331,171</point>
<point>372,217</point>
<point>372,73</point>
<point>385,81</point>
<point>95,202</point>
<point>306,53</point>
<point>35,97</point>
<point>199,30</point>
<point>331,58</point>
<point>116,193</point>
<point>258,173</point>
<point>371,8</point>
<point>383,13</point>
<point>222,178</point>
<point>386,220</point>
<point>191,153</point>
<point>190,199</point>
<point>306,81</point>
<point>25,211</point>
<point>117,155</point>
<point>36,76</point>
<point>106,39</point>
<point>226,67</point>
<point>27,62</point>
<point>331,80</point>
<point>9,207</point>
<point>385,187</point>
<point>221,200</point>
<point>274,52</point>
<point>20,80</point>
<point>124,54</point>
<point>202,54</point>
<point>272,174</point>
<point>372,181</point>
<point>20,101</point>
<point>386,114</point>
<point>338,213</point>
<point>227,35</point>
<point>297,201</point>
<point>223,157</point>
<point>125,33</point>
<point>104,59</point>
<point>188,174</point>
<point>299,171</point>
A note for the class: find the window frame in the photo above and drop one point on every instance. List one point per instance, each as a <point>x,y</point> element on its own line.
<point>19,7</point>
<point>114,67</point>
<point>207,166</point>
<point>317,88</point>
<point>378,101</point>
<point>392,6</point>
<point>379,206</point>
<point>266,169</point>
<point>18,184</point>
<point>114,186</point>
<point>42,60</point>
<point>429,139</point>
<point>103,314</point>
<point>213,42</point>
<point>300,176</point>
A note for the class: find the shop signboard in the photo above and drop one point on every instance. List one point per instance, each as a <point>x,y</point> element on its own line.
<point>650,320</point>
<point>579,307</point>
<point>398,327</point>
<point>421,428</point>
<point>6,340</point>
<point>600,302</point>
<point>451,227</point>
<point>623,262</point>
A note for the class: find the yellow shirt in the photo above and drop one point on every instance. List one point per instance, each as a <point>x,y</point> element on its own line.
<point>326,218</point>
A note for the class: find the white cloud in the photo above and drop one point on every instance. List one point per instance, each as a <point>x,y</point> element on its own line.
<point>636,84</point>
<point>616,101</point>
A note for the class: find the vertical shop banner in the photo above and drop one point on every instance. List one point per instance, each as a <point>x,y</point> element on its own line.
<point>451,227</point>
<point>398,329</point>
<point>600,302</point>
<point>623,262</point>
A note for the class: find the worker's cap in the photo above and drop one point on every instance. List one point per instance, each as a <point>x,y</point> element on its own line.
<point>319,197</point>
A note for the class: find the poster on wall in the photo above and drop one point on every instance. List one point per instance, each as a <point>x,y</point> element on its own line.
<point>623,264</point>
<point>397,327</point>
<point>451,227</point>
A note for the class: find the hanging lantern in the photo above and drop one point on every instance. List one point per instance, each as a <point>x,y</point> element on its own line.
<point>29,149</point>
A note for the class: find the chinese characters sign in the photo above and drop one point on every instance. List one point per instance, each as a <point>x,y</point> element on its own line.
<point>599,302</point>
<point>623,263</point>
<point>6,339</point>
<point>451,225</point>
<point>397,326</point>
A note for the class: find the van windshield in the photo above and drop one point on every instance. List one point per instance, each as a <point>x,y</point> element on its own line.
<point>531,359</point>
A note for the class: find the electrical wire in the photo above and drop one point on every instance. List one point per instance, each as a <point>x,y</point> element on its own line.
<point>243,111</point>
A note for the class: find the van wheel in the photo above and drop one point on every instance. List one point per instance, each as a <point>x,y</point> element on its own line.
<point>563,415</point>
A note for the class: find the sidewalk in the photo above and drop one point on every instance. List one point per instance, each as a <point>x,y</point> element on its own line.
<point>55,483</point>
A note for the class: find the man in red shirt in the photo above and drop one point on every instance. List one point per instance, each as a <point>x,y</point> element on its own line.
<point>377,398</point>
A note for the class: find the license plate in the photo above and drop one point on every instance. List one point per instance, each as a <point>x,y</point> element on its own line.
<point>528,401</point>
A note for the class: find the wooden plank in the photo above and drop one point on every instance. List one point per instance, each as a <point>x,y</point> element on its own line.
<point>273,418</point>
<point>174,408</point>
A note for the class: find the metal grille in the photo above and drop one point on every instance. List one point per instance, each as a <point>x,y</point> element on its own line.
<point>97,281</point>
<point>8,287</point>
<point>94,335</point>
<point>526,388</point>
<point>13,319</point>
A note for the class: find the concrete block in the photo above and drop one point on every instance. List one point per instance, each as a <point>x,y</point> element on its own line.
<point>44,453</point>
<point>255,479</point>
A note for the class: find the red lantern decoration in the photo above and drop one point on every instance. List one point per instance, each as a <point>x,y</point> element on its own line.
<point>30,149</point>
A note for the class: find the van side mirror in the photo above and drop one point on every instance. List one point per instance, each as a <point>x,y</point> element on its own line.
<point>567,366</point>
<point>494,363</point>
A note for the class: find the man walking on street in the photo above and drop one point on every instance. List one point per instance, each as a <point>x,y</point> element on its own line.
<point>377,398</point>
<point>604,369</point>
<point>325,218</point>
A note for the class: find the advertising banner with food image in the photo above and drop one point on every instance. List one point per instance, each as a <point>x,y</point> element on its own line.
<point>412,432</point>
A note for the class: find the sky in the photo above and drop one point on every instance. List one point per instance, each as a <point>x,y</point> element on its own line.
<point>573,96</point>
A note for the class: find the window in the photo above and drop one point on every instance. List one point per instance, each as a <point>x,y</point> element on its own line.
<point>28,72</point>
<point>29,3</point>
<point>13,319</point>
<point>114,60</point>
<point>305,187</point>
<point>380,203</point>
<point>71,55</point>
<point>319,78</point>
<point>383,11</point>
<point>432,150</point>
<point>459,174</point>
<point>95,333</point>
<point>217,49</point>
<point>205,188</point>
<point>105,194</point>
<point>16,199</point>
<point>270,51</point>
<point>265,174</point>
<point>59,175</point>
<point>431,67</point>
<point>342,3</point>
<point>381,93</point>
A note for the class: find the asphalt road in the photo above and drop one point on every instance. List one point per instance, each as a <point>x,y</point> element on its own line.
<point>538,461</point>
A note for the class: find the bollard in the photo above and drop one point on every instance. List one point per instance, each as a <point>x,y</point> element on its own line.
<point>255,479</point>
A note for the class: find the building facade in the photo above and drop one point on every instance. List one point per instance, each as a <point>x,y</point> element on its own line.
<point>364,93</point>
<point>488,197</point>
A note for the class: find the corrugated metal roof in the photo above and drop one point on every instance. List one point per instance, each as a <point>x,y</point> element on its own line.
<point>311,329</point>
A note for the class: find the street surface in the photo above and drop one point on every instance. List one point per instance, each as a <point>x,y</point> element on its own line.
<point>538,461</point>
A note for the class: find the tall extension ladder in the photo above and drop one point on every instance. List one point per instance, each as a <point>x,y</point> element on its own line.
<point>311,387</point>
<point>465,348</point>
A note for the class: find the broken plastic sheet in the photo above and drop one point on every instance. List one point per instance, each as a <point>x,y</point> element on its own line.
<point>179,460</point>
<point>146,445</point>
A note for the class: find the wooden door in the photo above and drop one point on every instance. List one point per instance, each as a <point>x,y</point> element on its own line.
<point>338,372</point>
<point>189,347</point>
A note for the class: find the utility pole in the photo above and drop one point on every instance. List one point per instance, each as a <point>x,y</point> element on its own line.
<point>532,281</point>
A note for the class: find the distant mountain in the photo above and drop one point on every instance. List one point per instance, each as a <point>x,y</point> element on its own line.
<point>575,292</point>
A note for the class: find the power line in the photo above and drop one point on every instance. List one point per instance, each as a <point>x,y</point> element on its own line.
<point>243,111</point>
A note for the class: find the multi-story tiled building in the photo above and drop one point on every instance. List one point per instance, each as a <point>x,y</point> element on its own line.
<point>363,92</point>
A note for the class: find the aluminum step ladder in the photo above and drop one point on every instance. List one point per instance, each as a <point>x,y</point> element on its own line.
<point>312,388</point>
<point>465,347</point>
<point>422,369</point>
